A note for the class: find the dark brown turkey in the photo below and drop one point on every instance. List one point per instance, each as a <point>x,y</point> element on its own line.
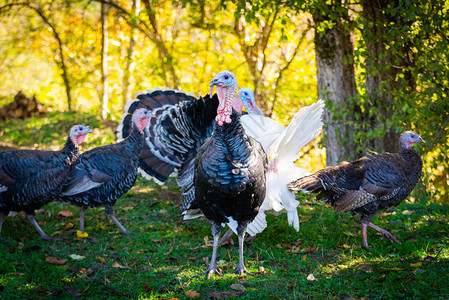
<point>368,184</point>
<point>29,179</point>
<point>103,174</point>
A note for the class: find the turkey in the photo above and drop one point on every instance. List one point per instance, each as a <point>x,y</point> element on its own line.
<point>103,174</point>
<point>29,179</point>
<point>368,184</point>
<point>229,178</point>
<point>281,145</point>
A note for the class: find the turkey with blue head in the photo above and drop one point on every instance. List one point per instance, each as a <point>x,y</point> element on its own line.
<point>103,174</point>
<point>369,184</point>
<point>230,168</point>
<point>29,179</point>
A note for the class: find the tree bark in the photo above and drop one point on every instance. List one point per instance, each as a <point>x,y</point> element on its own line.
<point>336,84</point>
<point>382,68</point>
<point>104,95</point>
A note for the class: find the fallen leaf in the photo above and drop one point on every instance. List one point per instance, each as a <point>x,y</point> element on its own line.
<point>81,234</point>
<point>222,295</point>
<point>418,264</point>
<point>76,257</point>
<point>304,257</point>
<point>65,213</point>
<point>309,249</point>
<point>192,294</point>
<point>262,270</point>
<point>238,287</point>
<point>407,212</point>
<point>310,277</point>
<point>100,259</point>
<point>56,260</point>
<point>117,265</point>
<point>349,233</point>
<point>68,226</point>
<point>128,207</point>
<point>20,245</point>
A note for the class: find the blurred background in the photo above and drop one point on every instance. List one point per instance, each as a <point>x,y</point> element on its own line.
<point>381,66</point>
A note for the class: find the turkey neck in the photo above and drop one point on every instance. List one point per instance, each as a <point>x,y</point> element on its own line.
<point>414,162</point>
<point>231,134</point>
<point>134,141</point>
<point>71,150</point>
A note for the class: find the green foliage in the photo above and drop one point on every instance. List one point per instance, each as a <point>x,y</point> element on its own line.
<point>50,131</point>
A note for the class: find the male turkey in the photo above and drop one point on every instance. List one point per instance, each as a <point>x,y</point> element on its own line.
<point>281,145</point>
<point>230,171</point>
<point>103,174</point>
<point>368,184</point>
<point>29,179</point>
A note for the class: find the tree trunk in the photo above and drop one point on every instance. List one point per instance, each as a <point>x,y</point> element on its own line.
<point>336,84</point>
<point>129,66</point>
<point>104,95</point>
<point>382,68</point>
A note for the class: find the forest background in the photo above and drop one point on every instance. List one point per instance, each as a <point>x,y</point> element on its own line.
<point>381,66</point>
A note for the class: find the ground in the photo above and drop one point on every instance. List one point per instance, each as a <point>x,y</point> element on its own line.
<point>323,260</point>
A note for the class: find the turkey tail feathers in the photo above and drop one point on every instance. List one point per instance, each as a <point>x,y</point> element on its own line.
<point>307,184</point>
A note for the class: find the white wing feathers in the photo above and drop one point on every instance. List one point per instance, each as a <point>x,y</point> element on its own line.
<point>282,146</point>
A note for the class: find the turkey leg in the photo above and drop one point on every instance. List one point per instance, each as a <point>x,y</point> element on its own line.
<point>82,209</point>
<point>216,230</point>
<point>384,233</point>
<point>39,229</point>
<point>241,229</point>
<point>110,213</point>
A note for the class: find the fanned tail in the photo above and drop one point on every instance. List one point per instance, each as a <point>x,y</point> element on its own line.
<point>177,128</point>
<point>306,184</point>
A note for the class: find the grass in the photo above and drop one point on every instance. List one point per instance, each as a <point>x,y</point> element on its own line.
<point>161,258</point>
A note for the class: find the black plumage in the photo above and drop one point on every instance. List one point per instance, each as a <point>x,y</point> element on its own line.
<point>368,184</point>
<point>30,179</point>
<point>103,174</point>
<point>230,168</point>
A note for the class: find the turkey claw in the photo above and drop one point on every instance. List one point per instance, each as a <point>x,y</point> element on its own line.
<point>390,237</point>
<point>209,273</point>
<point>241,272</point>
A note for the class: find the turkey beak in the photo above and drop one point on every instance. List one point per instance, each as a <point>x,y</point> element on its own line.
<point>211,85</point>
<point>421,140</point>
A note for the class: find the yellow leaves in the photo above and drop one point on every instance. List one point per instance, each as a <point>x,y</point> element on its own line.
<point>56,260</point>
<point>191,294</point>
<point>65,213</point>
<point>81,234</point>
<point>68,226</point>
<point>304,257</point>
<point>100,259</point>
<point>118,266</point>
<point>415,265</point>
<point>128,207</point>
<point>407,212</point>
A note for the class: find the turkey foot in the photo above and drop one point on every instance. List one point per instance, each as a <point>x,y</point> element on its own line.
<point>384,233</point>
<point>209,272</point>
<point>40,231</point>
<point>241,270</point>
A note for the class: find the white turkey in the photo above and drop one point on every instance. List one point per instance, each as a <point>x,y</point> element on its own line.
<point>282,145</point>
<point>29,179</point>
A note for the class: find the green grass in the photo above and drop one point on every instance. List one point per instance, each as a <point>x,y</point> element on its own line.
<point>161,258</point>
